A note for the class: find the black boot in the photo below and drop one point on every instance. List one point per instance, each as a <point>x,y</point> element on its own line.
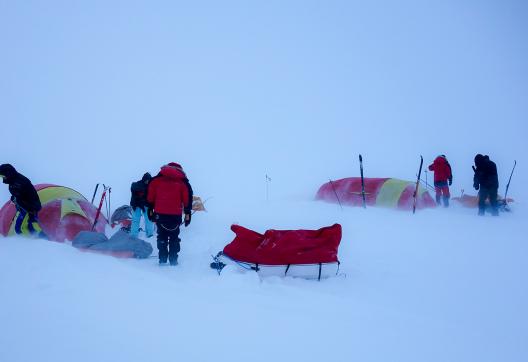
<point>163,251</point>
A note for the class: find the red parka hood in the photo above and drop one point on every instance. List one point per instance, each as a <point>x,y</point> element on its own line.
<point>171,193</point>
<point>441,159</point>
<point>173,171</point>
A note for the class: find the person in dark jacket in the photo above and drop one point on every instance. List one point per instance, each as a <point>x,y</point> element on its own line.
<point>170,196</point>
<point>140,205</point>
<point>443,178</point>
<point>25,198</point>
<point>486,182</point>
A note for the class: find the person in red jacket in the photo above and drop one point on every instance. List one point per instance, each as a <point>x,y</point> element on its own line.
<point>170,197</point>
<point>443,178</point>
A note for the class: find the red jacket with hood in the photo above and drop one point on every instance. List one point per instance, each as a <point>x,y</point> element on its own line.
<point>170,192</point>
<point>441,169</point>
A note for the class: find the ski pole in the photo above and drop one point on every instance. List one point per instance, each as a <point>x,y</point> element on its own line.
<point>95,192</point>
<point>268,179</point>
<point>427,185</point>
<point>109,205</point>
<point>508,185</point>
<point>335,192</point>
<point>106,201</point>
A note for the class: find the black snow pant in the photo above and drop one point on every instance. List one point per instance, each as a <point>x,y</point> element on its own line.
<point>491,194</point>
<point>168,240</point>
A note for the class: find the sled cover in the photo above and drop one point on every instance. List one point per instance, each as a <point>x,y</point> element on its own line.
<point>281,247</point>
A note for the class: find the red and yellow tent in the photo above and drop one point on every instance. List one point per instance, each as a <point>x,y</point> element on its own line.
<point>65,212</point>
<point>383,192</point>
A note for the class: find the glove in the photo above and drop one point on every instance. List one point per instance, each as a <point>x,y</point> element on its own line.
<point>450,181</point>
<point>187,220</point>
<point>476,186</point>
<point>151,214</point>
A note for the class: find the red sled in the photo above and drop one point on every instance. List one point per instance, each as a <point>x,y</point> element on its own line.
<point>309,254</point>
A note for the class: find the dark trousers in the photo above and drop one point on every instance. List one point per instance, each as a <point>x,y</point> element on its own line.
<point>442,192</point>
<point>168,240</point>
<point>491,194</point>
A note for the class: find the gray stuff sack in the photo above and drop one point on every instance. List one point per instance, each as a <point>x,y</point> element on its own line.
<point>120,241</point>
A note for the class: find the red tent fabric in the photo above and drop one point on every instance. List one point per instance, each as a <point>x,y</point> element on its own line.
<point>283,247</point>
<point>383,192</point>
<point>65,212</point>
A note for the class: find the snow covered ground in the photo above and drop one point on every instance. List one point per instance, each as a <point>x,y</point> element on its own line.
<point>103,91</point>
<point>442,285</point>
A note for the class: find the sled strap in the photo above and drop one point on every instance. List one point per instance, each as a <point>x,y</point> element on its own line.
<point>320,267</point>
<point>287,268</point>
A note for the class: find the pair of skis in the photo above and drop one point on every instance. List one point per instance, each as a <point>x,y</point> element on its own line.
<point>415,194</point>
<point>106,189</point>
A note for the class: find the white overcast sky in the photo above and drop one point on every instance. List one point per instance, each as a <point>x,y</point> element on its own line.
<point>101,91</point>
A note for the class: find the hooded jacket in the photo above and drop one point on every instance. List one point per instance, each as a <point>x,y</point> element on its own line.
<point>441,169</point>
<point>485,173</point>
<point>170,192</point>
<point>139,191</point>
<point>23,193</point>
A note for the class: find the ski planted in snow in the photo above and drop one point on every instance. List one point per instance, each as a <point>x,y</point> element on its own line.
<point>508,185</point>
<point>362,181</point>
<point>95,192</point>
<point>415,195</point>
<point>105,190</point>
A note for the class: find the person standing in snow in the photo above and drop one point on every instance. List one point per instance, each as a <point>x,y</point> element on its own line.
<point>486,182</point>
<point>443,178</point>
<point>25,198</point>
<point>139,205</point>
<point>170,197</point>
